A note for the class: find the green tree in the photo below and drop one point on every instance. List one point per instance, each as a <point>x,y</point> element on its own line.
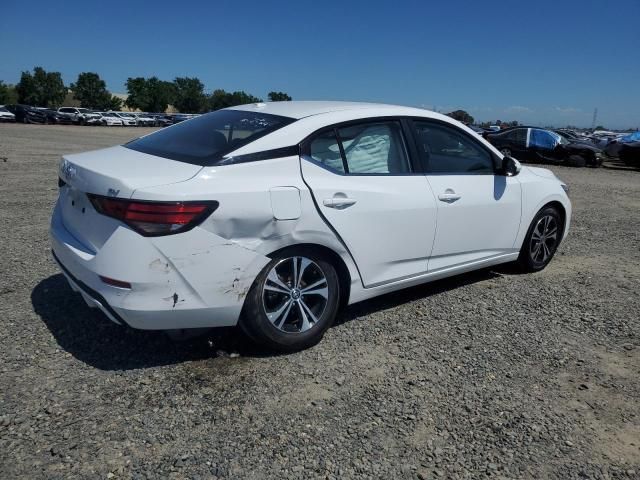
<point>91,91</point>
<point>189,95</point>
<point>599,127</point>
<point>279,97</point>
<point>221,99</point>
<point>8,94</point>
<point>461,116</point>
<point>112,103</point>
<point>149,94</point>
<point>42,88</point>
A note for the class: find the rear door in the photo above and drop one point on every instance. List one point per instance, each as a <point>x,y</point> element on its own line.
<point>366,188</point>
<point>478,208</point>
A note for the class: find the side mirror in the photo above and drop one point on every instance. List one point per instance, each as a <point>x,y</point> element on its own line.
<point>510,166</point>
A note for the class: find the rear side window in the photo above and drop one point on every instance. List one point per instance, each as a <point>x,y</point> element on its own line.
<point>449,151</point>
<point>374,148</point>
<point>325,150</point>
<point>365,148</point>
<point>204,140</point>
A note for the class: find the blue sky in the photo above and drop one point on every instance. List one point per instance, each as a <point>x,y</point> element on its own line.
<point>537,62</point>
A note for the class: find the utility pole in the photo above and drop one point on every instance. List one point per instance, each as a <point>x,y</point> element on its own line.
<point>595,117</point>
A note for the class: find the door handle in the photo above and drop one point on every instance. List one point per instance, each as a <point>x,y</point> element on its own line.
<point>449,196</point>
<point>338,202</point>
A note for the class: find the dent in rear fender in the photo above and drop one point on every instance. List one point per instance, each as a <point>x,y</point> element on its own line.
<point>221,271</point>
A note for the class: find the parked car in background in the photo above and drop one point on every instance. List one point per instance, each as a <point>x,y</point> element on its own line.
<point>571,135</point>
<point>53,117</point>
<point>110,119</point>
<point>26,114</point>
<point>601,138</point>
<point>6,115</point>
<point>144,120</point>
<point>80,116</point>
<point>181,117</point>
<point>128,119</point>
<point>478,130</point>
<point>626,148</point>
<point>274,215</point>
<point>544,146</point>
<point>573,138</point>
<point>161,120</point>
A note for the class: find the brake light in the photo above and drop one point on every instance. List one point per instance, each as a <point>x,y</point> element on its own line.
<point>154,218</point>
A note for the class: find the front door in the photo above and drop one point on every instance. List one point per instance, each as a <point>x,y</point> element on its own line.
<point>478,209</point>
<point>365,186</point>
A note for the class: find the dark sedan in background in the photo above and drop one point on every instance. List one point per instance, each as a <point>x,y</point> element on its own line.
<point>54,117</point>
<point>532,144</point>
<point>626,148</point>
<point>26,114</point>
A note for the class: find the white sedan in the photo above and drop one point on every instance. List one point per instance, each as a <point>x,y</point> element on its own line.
<point>6,115</point>
<point>110,119</point>
<point>273,216</point>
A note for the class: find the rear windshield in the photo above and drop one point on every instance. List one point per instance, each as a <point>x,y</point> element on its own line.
<point>204,140</point>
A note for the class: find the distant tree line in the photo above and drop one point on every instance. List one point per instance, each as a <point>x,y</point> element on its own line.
<point>185,94</point>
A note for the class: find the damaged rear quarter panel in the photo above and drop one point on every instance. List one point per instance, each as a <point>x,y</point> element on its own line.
<point>219,270</point>
<point>238,237</point>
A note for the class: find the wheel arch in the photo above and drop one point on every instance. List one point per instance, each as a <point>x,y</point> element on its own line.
<point>344,276</point>
<point>560,207</point>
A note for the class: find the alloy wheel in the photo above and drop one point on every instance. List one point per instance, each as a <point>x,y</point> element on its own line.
<point>544,239</point>
<point>506,152</point>
<point>295,294</point>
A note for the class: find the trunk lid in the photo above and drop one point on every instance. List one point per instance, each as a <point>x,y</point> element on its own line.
<point>114,172</point>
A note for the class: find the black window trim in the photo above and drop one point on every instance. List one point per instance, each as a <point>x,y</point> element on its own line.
<point>405,133</point>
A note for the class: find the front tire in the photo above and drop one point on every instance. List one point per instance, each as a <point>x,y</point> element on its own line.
<point>292,302</point>
<point>577,161</point>
<point>542,240</point>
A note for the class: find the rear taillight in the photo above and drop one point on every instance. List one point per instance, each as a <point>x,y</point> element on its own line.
<point>154,218</point>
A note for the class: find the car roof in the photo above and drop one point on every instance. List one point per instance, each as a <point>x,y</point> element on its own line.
<point>301,109</point>
<point>312,116</point>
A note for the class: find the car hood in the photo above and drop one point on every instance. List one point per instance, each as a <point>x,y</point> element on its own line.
<point>541,172</point>
<point>579,146</point>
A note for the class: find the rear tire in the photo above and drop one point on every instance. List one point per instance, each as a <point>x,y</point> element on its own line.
<point>292,302</point>
<point>506,152</point>
<point>542,240</point>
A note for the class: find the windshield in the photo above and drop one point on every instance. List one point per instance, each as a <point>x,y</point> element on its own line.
<point>560,138</point>
<point>204,140</point>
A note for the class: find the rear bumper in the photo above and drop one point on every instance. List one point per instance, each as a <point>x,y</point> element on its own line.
<point>189,280</point>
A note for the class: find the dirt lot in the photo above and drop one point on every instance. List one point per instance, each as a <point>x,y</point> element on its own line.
<point>490,374</point>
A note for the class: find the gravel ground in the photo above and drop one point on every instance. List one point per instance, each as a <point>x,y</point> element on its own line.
<point>492,374</point>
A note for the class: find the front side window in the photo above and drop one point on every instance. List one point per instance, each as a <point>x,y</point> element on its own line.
<point>447,150</point>
<point>543,139</point>
<point>204,140</point>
